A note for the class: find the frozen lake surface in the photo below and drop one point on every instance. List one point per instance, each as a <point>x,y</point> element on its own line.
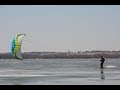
<point>59,72</point>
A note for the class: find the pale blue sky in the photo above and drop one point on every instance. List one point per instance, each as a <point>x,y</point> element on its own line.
<point>61,27</point>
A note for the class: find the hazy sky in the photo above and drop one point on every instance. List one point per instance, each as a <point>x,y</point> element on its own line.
<point>61,27</point>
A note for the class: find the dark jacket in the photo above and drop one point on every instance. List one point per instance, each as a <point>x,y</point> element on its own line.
<point>102,60</point>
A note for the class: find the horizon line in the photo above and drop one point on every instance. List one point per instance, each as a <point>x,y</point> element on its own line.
<point>70,51</point>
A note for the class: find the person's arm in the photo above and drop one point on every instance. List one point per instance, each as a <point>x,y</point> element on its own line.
<point>104,59</point>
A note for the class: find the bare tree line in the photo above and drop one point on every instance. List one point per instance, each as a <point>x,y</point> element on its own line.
<point>63,55</point>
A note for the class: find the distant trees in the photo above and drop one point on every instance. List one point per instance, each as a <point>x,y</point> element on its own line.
<point>62,55</point>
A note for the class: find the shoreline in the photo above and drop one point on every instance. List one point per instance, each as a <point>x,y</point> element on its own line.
<point>64,55</point>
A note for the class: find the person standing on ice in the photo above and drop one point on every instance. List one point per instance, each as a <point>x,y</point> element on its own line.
<point>102,60</point>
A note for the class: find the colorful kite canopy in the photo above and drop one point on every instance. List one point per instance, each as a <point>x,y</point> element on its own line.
<point>16,46</point>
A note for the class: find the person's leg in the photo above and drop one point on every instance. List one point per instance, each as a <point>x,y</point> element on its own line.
<point>101,65</point>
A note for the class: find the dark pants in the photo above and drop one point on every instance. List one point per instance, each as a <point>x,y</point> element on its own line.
<point>101,65</point>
